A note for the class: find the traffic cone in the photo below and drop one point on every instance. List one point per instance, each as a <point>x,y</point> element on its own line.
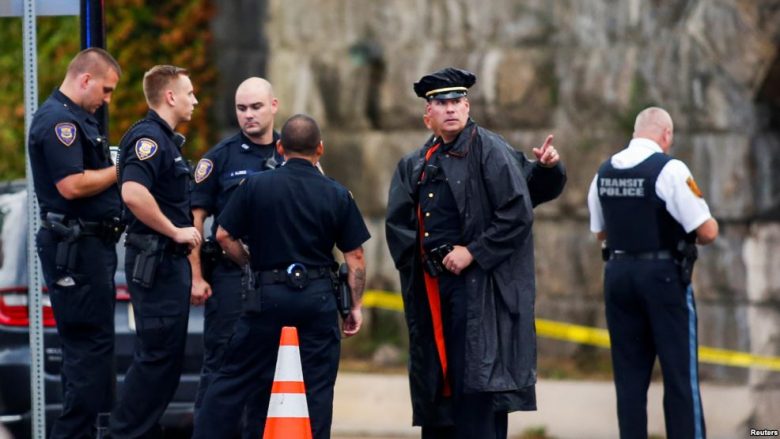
<point>288,413</point>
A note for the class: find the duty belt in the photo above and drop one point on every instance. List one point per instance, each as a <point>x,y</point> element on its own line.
<point>150,240</point>
<point>643,256</point>
<point>296,275</point>
<point>87,227</point>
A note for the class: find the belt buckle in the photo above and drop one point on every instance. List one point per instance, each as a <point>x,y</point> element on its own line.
<point>297,276</point>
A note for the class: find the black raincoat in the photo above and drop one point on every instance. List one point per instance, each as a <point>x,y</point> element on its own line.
<point>490,182</point>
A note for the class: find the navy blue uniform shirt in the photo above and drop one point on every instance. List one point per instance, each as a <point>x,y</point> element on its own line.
<point>294,214</point>
<point>151,156</point>
<point>223,168</point>
<point>65,140</point>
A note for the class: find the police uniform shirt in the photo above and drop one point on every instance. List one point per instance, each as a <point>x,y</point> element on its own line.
<point>439,211</point>
<point>223,168</point>
<point>65,140</point>
<point>151,156</point>
<point>294,214</point>
<point>675,187</point>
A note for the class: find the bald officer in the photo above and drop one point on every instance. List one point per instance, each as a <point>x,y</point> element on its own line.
<point>214,276</point>
<point>292,217</point>
<point>649,210</point>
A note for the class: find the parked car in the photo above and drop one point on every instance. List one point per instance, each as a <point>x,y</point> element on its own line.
<point>15,395</point>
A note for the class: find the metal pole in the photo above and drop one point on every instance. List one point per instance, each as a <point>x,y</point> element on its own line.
<point>34,302</point>
<point>93,34</point>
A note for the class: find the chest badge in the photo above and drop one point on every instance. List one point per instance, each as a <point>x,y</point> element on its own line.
<point>66,133</point>
<point>203,170</point>
<point>145,148</point>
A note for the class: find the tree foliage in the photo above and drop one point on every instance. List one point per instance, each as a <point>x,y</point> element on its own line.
<point>140,34</point>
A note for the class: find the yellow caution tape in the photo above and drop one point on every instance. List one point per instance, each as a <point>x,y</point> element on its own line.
<point>593,336</point>
<point>383,299</point>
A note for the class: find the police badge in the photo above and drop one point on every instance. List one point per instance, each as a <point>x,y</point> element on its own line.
<point>203,170</point>
<point>66,133</point>
<point>145,148</point>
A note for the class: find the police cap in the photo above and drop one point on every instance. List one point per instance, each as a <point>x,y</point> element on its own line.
<point>447,83</point>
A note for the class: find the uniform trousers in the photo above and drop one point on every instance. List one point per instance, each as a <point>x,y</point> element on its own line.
<point>472,413</point>
<point>650,312</point>
<point>161,314</point>
<point>250,360</point>
<point>222,311</point>
<point>83,304</point>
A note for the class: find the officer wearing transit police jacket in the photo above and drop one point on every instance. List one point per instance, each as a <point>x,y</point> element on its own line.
<point>215,278</point>
<point>459,221</point>
<point>155,186</point>
<point>649,210</point>
<point>75,183</point>
<point>291,218</point>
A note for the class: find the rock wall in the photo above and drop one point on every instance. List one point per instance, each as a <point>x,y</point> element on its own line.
<point>578,69</point>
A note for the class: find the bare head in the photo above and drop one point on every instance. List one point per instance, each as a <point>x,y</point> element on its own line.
<point>256,108</point>
<point>91,78</point>
<point>168,91</point>
<point>656,124</point>
<point>301,137</point>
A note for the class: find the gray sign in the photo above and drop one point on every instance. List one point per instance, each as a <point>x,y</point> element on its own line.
<point>13,8</point>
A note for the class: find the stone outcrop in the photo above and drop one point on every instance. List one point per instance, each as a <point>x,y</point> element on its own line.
<point>578,69</point>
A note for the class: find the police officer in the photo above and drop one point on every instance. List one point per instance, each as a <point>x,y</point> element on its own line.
<point>75,183</point>
<point>649,210</point>
<point>156,190</point>
<point>291,217</point>
<point>217,175</point>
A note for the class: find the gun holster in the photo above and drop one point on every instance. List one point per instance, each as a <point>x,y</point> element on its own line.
<point>343,292</point>
<point>432,259</point>
<point>250,290</point>
<point>67,246</point>
<point>210,256</point>
<point>148,259</point>
<point>686,254</point>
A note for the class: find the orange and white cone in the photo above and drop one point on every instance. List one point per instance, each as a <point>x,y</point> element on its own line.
<point>288,413</point>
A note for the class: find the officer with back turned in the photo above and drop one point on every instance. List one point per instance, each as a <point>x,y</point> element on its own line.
<point>652,214</point>
<point>291,217</point>
<point>155,185</point>
<point>75,183</point>
<point>215,278</point>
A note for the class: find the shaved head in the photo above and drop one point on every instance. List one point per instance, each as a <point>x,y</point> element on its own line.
<point>652,119</point>
<point>255,86</point>
<point>656,124</point>
<point>255,109</point>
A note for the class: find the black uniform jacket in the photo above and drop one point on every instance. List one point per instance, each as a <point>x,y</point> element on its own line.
<point>489,182</point>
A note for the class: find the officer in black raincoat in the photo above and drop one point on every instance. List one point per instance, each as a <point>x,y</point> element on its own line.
<point>459,222</point>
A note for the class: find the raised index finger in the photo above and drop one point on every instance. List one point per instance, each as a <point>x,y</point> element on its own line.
<point>547,142</point>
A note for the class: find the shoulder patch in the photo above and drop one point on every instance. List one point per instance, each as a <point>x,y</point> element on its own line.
<point>203,170</point>
<point>66,133</point>
<point>145,148</point>
<point>694,187</point>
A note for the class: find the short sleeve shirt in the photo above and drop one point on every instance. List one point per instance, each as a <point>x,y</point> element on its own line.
<point>65,140</point>
<point>675,186</point>
<point>294,214</point>
<point>225,166</point>
<point>150,155</point>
